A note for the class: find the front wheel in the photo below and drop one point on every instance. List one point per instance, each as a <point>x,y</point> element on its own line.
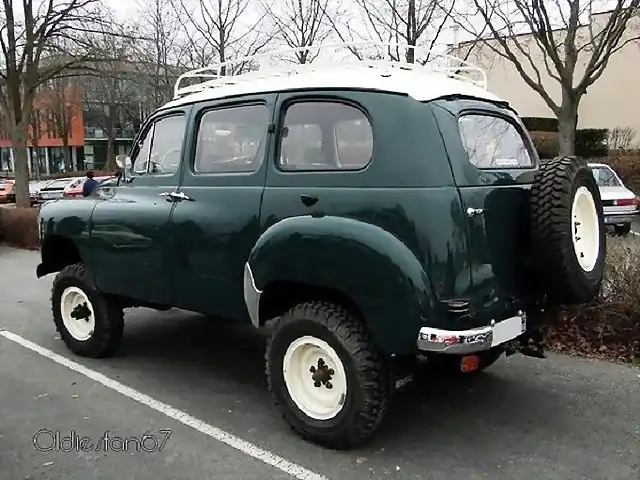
<point>326,376</point>
<point>89,323</point>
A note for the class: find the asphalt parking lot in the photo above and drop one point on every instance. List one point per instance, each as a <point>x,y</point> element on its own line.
<point>196,387</point>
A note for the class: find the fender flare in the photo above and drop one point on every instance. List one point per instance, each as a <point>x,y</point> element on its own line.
<point>377,271</point>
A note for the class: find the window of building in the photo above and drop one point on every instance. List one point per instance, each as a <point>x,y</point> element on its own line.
<point>493,142</point>
<point>232,139</point>
<point>325,136</point>
<point>160,150</point>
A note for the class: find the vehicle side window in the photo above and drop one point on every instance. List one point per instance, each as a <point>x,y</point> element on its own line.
<point>324,135</point>
<point>160,150</point>
<point>232,139</point>
<point>493,142</point>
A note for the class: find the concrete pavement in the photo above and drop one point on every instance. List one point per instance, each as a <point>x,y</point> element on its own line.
<point>560,418</point>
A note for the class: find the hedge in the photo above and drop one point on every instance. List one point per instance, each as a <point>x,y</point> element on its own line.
<point>19,227</point>
<point>590,143</point>
<point>541,124</point>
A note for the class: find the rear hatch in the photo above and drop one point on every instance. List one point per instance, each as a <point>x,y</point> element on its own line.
<point>494,165</point>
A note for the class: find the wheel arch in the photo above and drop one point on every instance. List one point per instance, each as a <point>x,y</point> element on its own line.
<point>357,264</point>
<point>57,252</point>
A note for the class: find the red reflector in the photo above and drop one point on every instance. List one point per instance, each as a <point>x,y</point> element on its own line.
<point>625,202</point>
<point>469,363</point>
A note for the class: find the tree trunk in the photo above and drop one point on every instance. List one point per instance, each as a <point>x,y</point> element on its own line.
<point>567,125</point>
<point>21,169</point>
<point>111,158</point>
<point>67,157</point>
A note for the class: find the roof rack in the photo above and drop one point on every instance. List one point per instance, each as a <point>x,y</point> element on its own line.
<point>211,77</point>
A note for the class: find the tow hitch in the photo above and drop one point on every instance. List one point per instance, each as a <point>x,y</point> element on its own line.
<point>528,344</point>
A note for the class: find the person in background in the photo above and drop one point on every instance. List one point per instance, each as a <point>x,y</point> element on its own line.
<point>89,184</point>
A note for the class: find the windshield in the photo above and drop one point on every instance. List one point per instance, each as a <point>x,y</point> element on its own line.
<point>605,177</point>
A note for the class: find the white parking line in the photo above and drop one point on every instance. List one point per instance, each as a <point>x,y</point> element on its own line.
<point>245,447</point>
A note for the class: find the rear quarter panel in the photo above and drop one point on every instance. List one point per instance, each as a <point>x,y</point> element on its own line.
<point>391,236</point>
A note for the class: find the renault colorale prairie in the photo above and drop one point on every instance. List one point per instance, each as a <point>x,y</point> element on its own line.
<point>376,211</point>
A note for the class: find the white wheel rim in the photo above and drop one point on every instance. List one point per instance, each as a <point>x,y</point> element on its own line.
<point>308,362</point>
<point>585,229</point>
<point>78,321</point>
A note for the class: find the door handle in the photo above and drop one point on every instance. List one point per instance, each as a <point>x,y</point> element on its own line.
<point>308,200</point>
<point>175,196</point>
<point>474,212</point>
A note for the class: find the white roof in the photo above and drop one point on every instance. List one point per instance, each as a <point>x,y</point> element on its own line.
<point>421,82</point>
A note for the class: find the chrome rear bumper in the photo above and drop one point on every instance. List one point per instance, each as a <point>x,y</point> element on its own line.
<point>475,340</point>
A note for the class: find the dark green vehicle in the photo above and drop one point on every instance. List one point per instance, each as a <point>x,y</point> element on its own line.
<point>377,212</point>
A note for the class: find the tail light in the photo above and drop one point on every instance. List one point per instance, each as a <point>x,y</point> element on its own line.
<point>627,202</point>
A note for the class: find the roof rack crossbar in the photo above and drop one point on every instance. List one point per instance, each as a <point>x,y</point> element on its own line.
<point>211,76</point>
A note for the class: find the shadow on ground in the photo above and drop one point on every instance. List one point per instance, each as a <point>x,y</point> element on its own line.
<point>186,346</point>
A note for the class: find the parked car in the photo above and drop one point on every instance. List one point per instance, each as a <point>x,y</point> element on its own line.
<point>54,190</point>
<point>621,205</point>
<point>7,191</point>
<point>376,212</point>
<point>34,190</point>
<point>74,190</point>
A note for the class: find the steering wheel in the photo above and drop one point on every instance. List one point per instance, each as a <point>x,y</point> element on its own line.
<point>179,150</point>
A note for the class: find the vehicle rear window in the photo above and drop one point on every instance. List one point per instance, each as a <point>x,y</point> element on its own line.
<point>605,177</point>
<point>58,184</point>
<point>493,142</point>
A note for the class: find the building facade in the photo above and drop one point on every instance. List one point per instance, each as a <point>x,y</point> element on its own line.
<point>98,114</point>
<point>612,101</point>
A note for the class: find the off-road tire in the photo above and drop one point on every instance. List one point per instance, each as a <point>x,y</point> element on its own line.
<point>450,364</point>
<point>368,390</point>
<point>556,265</point>
<point>622,230</point>
<point>109,316</point>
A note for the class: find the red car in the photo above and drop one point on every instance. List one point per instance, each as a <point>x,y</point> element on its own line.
<point>74,190</point>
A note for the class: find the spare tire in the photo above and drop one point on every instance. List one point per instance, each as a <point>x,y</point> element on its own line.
<point>568,236</point>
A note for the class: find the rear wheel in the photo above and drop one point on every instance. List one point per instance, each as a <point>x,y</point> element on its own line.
<point>567,231</point>
<point>326,376</point>
<point>623,229</point>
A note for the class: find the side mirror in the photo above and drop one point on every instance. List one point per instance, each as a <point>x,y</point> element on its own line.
<point>123,162</point>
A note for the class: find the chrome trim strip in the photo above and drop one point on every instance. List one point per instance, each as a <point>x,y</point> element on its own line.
<point>464,341</point>
<point>251,296</point>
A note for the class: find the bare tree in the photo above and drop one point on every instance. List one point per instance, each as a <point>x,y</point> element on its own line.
<point>415,23</point>
<point>158,58</point>
<point>32,36</point>
<point>62,104</point>
<point>113,91</point>
<point>219,31</point>
<point>547,42</point>
<point>35,134</point>
<point>300,23</point>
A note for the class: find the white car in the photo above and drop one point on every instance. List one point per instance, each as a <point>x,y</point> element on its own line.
<point>56,188</point>
<point>621,206</point>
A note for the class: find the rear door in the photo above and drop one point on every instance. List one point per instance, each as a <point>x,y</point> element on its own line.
<point>494,164</point>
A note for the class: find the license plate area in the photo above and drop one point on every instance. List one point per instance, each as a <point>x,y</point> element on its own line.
<point>508,329</point>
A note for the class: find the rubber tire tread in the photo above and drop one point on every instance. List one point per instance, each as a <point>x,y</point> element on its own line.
<point>109,317</point>
<point>362,362</point>
<point>557,267</point>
